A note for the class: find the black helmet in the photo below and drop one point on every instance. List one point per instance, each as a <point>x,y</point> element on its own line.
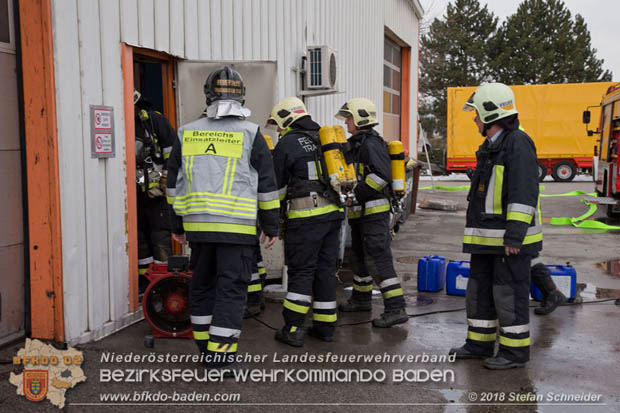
<point>224,84</point>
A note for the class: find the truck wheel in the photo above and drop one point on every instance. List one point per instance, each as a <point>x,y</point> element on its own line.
<point>564,171</point>
<point>542,171</point>
<point>611,213</point>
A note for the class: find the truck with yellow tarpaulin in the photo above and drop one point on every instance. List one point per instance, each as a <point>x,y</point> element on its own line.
<point>551,116</point>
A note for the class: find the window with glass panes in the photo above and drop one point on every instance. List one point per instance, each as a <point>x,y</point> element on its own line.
<point>391,90</point>
<point>7,42</point>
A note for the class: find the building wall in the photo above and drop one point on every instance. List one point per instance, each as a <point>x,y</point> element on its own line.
<point>87,44</point>
<point>11,210</point>
<point>87,60</point>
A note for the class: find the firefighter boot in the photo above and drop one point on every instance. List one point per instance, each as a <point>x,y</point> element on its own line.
<point>553,300</point>
<point>551,297</point>
<point>391,318</point>
<point>501,363</point>
<point>463,353</point>
<point>354,305</point>
<point>291,335</point>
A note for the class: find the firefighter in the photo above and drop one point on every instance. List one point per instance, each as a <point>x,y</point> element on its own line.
<point>503,231</point>
<point>154,139</point>
<point>370,216</point>
<point>221,180</point>
<point>313,224</point>
<point>551,296</point>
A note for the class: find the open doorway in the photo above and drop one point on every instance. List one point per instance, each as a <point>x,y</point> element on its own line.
<point>155,132</point>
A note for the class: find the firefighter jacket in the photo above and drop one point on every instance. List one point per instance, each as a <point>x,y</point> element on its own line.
<point>504,208</point>
<point>154,139</point>
<point>220,181</point>
<point>156,131</point>
<point>369,155</point>
<point>298,173</point>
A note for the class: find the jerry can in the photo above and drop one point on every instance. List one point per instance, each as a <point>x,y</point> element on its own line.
<point>457,276</point>
<point>431,273</point>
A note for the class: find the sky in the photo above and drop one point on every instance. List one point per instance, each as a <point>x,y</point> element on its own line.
<point>600,16</point>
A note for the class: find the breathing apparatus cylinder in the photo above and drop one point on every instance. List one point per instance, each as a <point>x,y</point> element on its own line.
<point>349,169</point>
<point>333,158</point>
<point>397,157</point>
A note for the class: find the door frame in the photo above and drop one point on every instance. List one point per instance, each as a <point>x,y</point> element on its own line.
<point>170,112</point>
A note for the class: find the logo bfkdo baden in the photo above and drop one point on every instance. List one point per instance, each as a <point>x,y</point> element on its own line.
<point>36,384</point>
<point>48,373</point>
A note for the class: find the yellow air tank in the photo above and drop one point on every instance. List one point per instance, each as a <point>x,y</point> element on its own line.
<point>269,141</point>
<point>397,156</point>
<point>349,169</point>
<point>334,160</point>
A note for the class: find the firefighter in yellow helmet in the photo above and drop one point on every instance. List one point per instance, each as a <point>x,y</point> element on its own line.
<point>503,231</point>
<point>370,216</point>
<point>221,183</point>
<point>314,219</point>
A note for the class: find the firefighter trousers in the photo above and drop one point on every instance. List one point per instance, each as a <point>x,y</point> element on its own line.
<point>221,274</point>
<point>153,231</point>
<point>259,273</point>
<point>372,260</point>
<point>312,257</point>
<point>499,290</point>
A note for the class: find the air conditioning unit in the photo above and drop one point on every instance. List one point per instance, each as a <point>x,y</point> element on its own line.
<point>321,71</point>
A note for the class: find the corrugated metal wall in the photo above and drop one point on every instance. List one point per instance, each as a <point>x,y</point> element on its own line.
<point>87,60</point>
<point>87,44</point>
<point>280,30</point>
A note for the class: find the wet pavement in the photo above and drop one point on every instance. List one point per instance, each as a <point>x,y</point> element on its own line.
<point>575,350</point>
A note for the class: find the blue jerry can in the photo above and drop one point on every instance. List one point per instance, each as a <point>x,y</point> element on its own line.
<point>565,279</point>
<point>431,273</point>
<point>457,276</point>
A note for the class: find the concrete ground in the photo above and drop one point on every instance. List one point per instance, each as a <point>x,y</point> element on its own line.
<point>575,350</point>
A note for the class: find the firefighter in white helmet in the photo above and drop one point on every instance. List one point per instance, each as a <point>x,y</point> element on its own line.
<point>503,231</point>
<point>221,181</point>
<point>313,221</point>
<point>370,217</point>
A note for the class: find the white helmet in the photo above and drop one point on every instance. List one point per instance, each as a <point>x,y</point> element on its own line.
<point>493,101</point>
<point>364,112</point>
<point>287,111</point>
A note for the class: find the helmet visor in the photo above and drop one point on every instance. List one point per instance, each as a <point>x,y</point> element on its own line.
<point>343,114</point>
<point>469,105</point>
<point>271,123</point>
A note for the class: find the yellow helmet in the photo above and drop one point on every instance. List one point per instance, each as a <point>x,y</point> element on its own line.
<point>364,112</point>
<point>493,101</point>
<point>287,111</point>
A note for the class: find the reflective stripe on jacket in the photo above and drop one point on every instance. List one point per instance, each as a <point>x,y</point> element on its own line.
<point>504,208</point>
